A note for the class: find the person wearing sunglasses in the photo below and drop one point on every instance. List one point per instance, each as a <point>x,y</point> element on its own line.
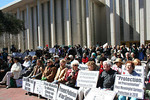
<point>49,72</point>
<point>71,75</point>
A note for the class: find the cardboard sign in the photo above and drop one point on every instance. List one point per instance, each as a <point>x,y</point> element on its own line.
<point>50,90</point>
<point>97,94</point>
<point>130,86</point>
<point>28,84</point>
<point>87,78</point>
<point>83,66</point>
<point>138,69</point>
<point>66,93</point>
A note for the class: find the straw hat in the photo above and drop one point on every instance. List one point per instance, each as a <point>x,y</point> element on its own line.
<point>118,60</point>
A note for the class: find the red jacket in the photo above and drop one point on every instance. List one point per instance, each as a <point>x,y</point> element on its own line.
<point>85,60</point>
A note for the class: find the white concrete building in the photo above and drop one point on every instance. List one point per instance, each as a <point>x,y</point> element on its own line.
<point>85,22</point>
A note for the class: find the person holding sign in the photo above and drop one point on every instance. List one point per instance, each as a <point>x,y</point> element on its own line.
<point>130,69</point>
<point>83,91</point>
<point>71,75</point>
<point>38,70</point>
<point>107,77</point>
<point>61,73</point>
<point>49,72</point>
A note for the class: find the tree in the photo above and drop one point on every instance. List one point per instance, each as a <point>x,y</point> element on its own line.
<point>10,24</point>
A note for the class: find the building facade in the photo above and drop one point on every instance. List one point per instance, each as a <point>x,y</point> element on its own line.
<point>85,22</point>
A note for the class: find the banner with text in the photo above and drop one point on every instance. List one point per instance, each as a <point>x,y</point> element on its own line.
<point>138,69</point>
<point>50,90</point>
<point>97,94</point>
<point>39,87</point>
<point>66,93</point>
<point>83,66</point>
<point>87,78</point>
<point>130,86</point>
<point>28,84</point>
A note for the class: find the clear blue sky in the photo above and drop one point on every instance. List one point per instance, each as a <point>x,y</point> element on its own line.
<point>5,2</point>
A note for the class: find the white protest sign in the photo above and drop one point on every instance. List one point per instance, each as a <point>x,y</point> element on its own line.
<point>87,78</point>
<point>24,80</point>
<point>39,86</point>
<point>83,66</point>
<point>17,54</point>
<point>50,90</point>
<point>32,53</point>
<point>97,94</point>
<point>66,93</point>
<point>51,50</point>
<point>131,86</point>
<point>138,69</point>
<point>28,84</point>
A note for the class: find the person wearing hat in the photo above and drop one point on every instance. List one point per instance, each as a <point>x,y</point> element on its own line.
<point>117,65</point>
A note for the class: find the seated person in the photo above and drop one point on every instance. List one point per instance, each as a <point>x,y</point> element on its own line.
<point>71,75</point>
<point>82,90</point>
<point>118,65</point>
<point>130,69</point>
<point>37,70</point>
<point>61,72</point>
<point>49,72</point>
<point>85,59</point>
<point>3,68</point>
<point>107,77</point>
<point>15,72</point>
<point>26,64</point>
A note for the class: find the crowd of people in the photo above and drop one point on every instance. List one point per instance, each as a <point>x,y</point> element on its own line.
<point>62,66</point>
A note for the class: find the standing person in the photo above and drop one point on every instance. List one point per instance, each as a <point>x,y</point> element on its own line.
<point>49,72</point>
<point>71,75</point>
<point>56,61</point>
<point>130,69</point>
<point>15,72</point>
<point>61,72</point>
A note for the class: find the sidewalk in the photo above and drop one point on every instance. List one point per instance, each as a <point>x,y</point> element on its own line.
<point>15,94</point>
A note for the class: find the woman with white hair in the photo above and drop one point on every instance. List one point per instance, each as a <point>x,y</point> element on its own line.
<point>72,74</point>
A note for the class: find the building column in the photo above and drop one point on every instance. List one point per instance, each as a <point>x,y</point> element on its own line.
<point>59,25</point>
<point>78,8</point>
<point>147,20</point>
<point>108,21</point>
<point>29,28</point>
<point>117,21</point>
<point>35,28</point>
<point>112,23</point>
<point>46,26</point>
<point>52,14</point>
<point>142,24</point>
<point>83,17</point>
<point>68,18</point>
<point>40,32</point>
<point>125,6</point>
<point>19,35</point>
<point>88,24</point>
